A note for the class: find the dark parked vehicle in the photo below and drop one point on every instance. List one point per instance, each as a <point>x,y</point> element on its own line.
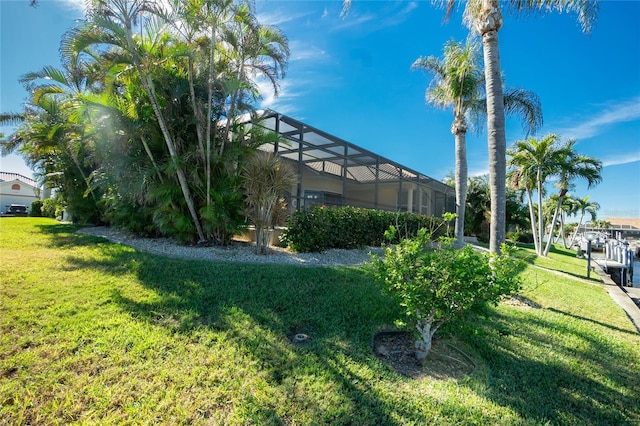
<point>17,210</point>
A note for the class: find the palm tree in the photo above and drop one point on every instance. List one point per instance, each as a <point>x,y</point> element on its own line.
<point>455,84</point>
<point>253,50</point>
<point>111,23</point>
<point>485,17</point>
<point>192,20</point>
<point>458,83</point>
<point>49,138</point>
<point>584,206</point>
<point>266,180</point>
<point>571,167</point>
<point>568,208</point>
<point>535,161</point>
<point>60,89</point>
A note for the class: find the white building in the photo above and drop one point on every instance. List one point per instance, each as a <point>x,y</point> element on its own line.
<point>17,189</point>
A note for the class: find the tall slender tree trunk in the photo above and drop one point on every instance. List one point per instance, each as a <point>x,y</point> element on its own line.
<point>196,109</point>
<point>488,24</point>
<point>147,149</point>
<point>553,222</point>
<point>233,105</point>
<point>561,233</point>
<point>147,84</point>
<point>575,231</point>
<point>232,113</point>
<point>182,179</point>
<point>532,218</point>
<point>210,78</point>
<point>459,130</point>
<point>540,216</point>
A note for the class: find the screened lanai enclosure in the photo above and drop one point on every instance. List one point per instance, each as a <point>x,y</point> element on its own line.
<point>334,172</point>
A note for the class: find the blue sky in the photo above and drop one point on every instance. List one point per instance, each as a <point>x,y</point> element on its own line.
<point>351,77</point>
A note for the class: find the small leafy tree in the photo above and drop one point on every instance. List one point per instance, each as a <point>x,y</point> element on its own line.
<point>266,180</point>
<point>436,283</point>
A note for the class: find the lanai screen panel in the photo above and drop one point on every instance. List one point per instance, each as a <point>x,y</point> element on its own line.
<point>368,177</point>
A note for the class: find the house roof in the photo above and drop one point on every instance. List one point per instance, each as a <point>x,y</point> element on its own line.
<point>633,223</point>
<point>8,177</point>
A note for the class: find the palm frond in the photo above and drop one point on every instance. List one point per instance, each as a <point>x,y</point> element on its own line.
<point>11,119</point>
<point>525,104</point>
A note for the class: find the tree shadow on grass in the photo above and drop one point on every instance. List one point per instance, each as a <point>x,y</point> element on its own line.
<point>255,308</point>
<point>570,253</point>
<point>569,373</point>
<point>591,320</point>
<point>65,235</point>
<point>530,256</point>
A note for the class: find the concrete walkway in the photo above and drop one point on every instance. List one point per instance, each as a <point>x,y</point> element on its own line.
<point>627,297</point>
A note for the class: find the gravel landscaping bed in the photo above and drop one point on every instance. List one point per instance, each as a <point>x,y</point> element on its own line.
<point>236,252</point>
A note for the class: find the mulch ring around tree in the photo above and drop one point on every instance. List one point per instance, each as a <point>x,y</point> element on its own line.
<point>444,361</point>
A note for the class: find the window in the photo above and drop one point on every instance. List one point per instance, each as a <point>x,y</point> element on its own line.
<point>15,187</point>
<point>322,198</point>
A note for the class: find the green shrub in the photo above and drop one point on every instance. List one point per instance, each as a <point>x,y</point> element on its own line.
<point>436,284</point>
<point>322,228</point>
<point>51,208</point>
<point>36,209</point>
<point>520,237</point>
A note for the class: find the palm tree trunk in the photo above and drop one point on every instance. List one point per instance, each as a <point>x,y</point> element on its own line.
<point>575,231</point>
<point>553,225</point>
<point>562,233</point>
<point>233,104</point>
<point>147,149</point>
<point>182,179</point>
<point>147,84</point>
<point>559,234</point>
<point>459,129</point>
<point>488,25</point>
<point>540,217</point>
<point>232,113</point>
<point>196,110</point>
<point>210,78</point>
<point>532,218</point>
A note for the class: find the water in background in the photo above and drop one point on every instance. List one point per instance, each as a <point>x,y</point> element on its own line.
<point>636,273</point>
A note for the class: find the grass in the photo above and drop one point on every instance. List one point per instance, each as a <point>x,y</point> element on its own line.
<point>559,259</point>
<point>94,332</point>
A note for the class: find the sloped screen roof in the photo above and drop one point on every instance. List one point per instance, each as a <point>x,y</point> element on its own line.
<point>326,153</point>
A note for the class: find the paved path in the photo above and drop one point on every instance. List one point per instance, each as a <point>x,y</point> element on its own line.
<point>627,297</point>
<point>634,294</point>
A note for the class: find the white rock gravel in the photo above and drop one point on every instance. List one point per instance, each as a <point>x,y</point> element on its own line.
<point>237,252</point>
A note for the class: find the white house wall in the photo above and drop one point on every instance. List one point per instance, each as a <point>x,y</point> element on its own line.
<point>17,192</point>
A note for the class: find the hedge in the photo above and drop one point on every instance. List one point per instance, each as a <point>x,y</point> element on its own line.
<point>322,228</point>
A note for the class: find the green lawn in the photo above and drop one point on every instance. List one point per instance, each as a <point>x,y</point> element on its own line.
<point>559,259</point>
<point>97,333</point>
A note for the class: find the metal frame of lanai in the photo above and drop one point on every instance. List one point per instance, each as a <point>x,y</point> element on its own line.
<point>332,171</point>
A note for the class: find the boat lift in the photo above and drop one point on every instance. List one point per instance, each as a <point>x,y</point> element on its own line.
<point>618,261</point>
